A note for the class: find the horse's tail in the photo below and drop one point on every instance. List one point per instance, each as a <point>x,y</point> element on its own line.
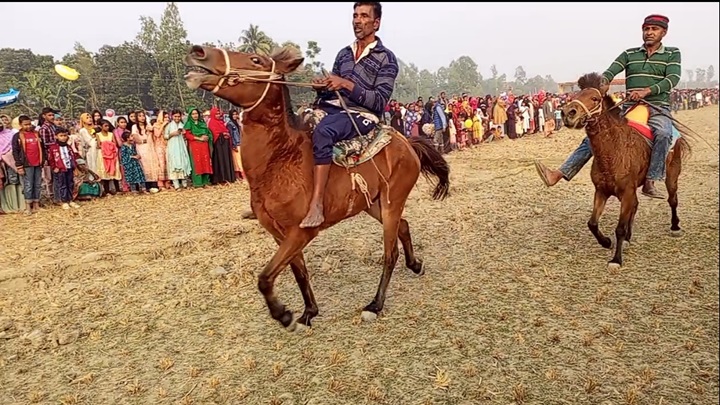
<point>432,163</point>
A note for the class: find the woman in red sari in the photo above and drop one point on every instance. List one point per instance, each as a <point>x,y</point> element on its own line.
<point>199,140</point>
<point>222,159</point>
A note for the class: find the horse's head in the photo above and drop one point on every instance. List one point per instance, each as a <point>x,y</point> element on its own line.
<point>588,103</point>
<point>238,77</point>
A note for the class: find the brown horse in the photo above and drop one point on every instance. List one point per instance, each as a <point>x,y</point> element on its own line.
<point>621,157</point>
<point>278,162</point>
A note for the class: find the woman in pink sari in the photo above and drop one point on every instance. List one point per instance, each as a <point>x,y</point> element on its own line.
<point>142,132</point>
<point>160,145</point>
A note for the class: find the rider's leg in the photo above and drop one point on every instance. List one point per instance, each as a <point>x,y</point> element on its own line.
<point>333,128</point>
<point>572,165</point>
<point>662,128</point>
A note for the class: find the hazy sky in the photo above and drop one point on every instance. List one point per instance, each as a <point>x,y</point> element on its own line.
<point>565,40</point>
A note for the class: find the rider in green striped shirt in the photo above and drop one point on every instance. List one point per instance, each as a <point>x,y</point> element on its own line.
<point>651,71</point>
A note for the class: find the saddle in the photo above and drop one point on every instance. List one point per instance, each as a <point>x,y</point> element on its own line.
<point>638,117</point>
<point>357,150</point>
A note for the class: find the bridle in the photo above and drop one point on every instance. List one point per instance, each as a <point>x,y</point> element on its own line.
<point>590,113</point>
<point>232,77</point>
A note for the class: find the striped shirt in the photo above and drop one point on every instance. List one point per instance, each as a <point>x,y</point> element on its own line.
<point>660,72</point>
<point>373,74</point>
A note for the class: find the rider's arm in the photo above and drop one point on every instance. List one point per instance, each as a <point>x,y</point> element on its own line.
<point>616,67</point>
<point>672,74</point>
<point>376,96</point>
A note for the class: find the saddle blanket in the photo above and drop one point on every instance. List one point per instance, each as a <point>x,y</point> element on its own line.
<point>638,117</point>
<point>357,150</point>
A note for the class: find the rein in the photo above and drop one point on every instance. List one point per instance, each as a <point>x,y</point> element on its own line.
<point>233,77</point>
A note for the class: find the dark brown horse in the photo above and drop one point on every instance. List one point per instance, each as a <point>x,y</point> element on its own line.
<point>278,162</point>
<point>621,157</point>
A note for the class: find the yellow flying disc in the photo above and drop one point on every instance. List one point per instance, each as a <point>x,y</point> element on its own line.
<point>67,72</point>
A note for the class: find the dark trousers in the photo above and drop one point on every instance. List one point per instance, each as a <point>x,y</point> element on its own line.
<point>336,127</point>
<point>64,186</point>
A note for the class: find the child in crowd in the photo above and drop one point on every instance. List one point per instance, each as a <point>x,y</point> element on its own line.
<point>62,162</point>
<point>87,183</point>
<point>558,119</point>
<point>29,154</point>
<point>130,161</point>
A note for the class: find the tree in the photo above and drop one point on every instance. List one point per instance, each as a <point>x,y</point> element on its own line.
<point>520,76</point>
<point>253,40</point>
<point>494,71</point>
<point>311,53</point>
<point>710,74</point>
<point>171,49</point>
<point>462,75</point>
<point>700,77</point>
<point>690,74</point>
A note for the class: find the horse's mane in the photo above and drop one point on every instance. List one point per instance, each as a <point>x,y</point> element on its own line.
<point>282,55</point>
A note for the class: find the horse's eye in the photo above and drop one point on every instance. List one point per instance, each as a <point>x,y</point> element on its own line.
<point>255,60</point>
<point>595,99</point>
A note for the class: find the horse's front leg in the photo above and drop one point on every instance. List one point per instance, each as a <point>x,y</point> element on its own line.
<point>598,208</point>
<point>297,265</point>
<point>628,206</point>
<point>290,247</point>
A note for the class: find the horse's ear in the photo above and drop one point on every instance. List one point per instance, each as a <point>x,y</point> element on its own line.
<point>287,59</point>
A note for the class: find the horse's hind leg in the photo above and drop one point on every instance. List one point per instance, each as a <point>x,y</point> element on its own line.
<point>628,205</point>
<point>598,207</point>
<point>411,261</point>
<point>671,183</point>
<point>391,224</point>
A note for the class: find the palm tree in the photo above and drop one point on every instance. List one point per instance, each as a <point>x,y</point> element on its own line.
<point>255,41</point>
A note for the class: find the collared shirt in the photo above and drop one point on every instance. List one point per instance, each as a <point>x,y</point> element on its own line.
<point>373,74</point>
<point>660,72</point>
<point>47,133</point>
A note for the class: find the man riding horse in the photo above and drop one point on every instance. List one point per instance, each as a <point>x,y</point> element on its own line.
<point>651,71</point>
<point>364,74</point>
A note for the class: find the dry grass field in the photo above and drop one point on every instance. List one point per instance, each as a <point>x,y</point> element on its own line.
<point>123,301</point>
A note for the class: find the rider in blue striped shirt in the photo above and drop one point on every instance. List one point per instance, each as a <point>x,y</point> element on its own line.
<point>364,73</point>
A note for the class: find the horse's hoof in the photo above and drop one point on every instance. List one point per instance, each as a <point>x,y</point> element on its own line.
<point>368,316</point>
<point>613,267</point>
<point>626,245</point>
<point>676,233</point>
<point>299,328</point>
<point>418,268</point>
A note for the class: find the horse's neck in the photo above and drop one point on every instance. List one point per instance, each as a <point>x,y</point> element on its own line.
<point>604,135</point>
<point>269,142</point>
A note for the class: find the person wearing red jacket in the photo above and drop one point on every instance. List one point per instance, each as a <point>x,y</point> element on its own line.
<point>62,162</point>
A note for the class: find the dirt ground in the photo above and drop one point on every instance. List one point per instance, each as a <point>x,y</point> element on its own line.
<point>153,300</point>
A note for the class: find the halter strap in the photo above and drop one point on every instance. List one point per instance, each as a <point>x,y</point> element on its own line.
<point>595,110</point>
<point>237,76</point>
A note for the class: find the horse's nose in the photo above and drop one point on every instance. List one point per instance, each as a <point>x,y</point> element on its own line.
<point>571,113</point>
<point>198,52</point>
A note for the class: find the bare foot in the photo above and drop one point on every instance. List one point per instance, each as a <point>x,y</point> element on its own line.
<point>548,176</point>
<point>248,215</point>
<point>314,217</point>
